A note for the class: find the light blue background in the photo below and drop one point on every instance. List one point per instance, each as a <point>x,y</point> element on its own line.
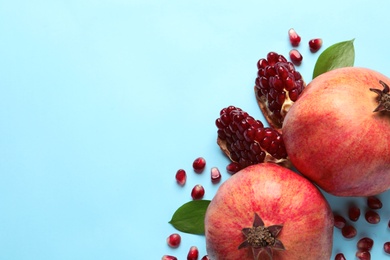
<point>101,101</point>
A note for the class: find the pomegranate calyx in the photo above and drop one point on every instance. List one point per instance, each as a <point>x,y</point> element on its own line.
<point>383,97</point>
<point>262,239</point>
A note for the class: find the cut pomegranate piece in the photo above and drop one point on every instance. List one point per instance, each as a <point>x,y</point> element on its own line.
<point>374,202</point>
<point>199,164</point>
<point>296,57</point>
<point>278,85</point>
<point>339,221</point>
<point>315,44</point>
<point>363,255</point>
<point>246,141</point>
<point>386,247</point>
<point>349,231</point>
<point>295,39</point>
<point>365,244</point>
<point>197,192</point>
<point>340,256</point>
<point>354,213</point>
<point>181,177</point>
<point>168,257</point>
<point>215,175</point>
<point>174,240</point>
<point>193,253</point>
<point>372,217</point>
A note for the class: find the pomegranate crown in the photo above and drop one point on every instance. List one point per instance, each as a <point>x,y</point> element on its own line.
<point>383,97</point>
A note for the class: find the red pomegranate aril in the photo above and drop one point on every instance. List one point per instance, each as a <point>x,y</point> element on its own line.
<point>206,257</point>
<point>349,231</point>
<point>354,213</point>
<point>197,192</point>
<point>174,240</point>
<point>365,244</point>
<point>199,164</point>
<point>339,221</point>
<point>215,175</point>
<point>363,255</point>
<point>181,177</point>
<point>374,202</point>
<point>388,224</point>
<point>168,257</point>
<point>295,39</point>
<point>372,217</point>
<point>193,253</point>
<point>340,256</point>
<point>315,44</point>
<point>233,167</point>
<point>296,57</point>
<point>386,247</point>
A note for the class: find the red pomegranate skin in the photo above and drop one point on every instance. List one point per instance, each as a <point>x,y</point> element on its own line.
<point>279,196</point>
<point>334,138</point>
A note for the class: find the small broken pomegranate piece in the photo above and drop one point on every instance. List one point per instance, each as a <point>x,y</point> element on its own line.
<point>277,86</point>
<point>354,213</point>
<point>315,44</point>
<point>339,221</point>
<point>374,202</point>
<point>246,141</point>
<point>199,164</point>
<point>349,231</point>
<point>181,177</point>
<point>340,256</point>
<point>294,38</point>
<point>365,244</point>
<point>197,192</point>
<point>215,175</point>
<point>193,253</point>
<point>372,217</point>
<point>296,57</point>
<point>363,255</point>
<point>386,247</point>
<point>174,240</point>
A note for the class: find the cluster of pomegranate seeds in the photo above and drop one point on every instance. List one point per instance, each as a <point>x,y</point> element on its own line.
<point>197,192</point>
<point>246,141</point>
<point>277,86</point>
<point>181,177</point>
<point>174,240</point>
<point>199,164</point>
<point>315,44</point>
<point>193,253</point>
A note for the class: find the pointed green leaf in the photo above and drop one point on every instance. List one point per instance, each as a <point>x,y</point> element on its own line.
<point>338,55</point>
<point>189,218</point>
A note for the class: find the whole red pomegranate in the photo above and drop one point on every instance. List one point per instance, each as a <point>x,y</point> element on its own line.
<point>337,133</point>
<point>266,211</point>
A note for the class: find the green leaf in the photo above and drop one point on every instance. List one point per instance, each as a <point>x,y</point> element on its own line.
<point>338,55</point>
<point>189,218</point>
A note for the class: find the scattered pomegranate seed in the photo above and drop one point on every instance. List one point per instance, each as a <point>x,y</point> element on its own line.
<point>374,202</point>
<point>215,175</point>
<point>206,257</point>
<point>353,213</point>
<point>295,39</point>
<point>372,217</point>
<point>339,221</point>
<point>388,224</point>
<point>363,255</point>
<point>193,253</point>
<point>365,244</point>
<point>197,192</point>
<point>233,167</point>
<point>181,177</point>
<point>168,257</point>
<point>386,247</point>
<point>315,44</point>
<point>348,231</point>
<point>339,256</point>
<point>199,164</point>
<point>296,57</point>
<point>174,240</point>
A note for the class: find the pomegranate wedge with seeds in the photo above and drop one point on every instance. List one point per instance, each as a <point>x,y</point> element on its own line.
<point>277,86</point>
<point>246,141</point>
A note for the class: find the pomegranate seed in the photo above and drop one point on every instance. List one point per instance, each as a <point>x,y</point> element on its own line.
<point>193,253</point>
<point>372,217</point>
<point>206,257</point>
<point>181,177</point>
<point>168,257</point>
<point>365,244</point>
<point>374,202</point>
<point>348,231</point>
<point>233,167</point>
<point>197,192</point>
<point>353,213</point>
<point>174,240</point>
<point>386,247</point>
<point>388,224</point>
<point>339,221</point>
<point>296,57</point>
<point>339,256</point>
<point>215,175</point>
<point>199,164</point>
<point>363,255</point>
<point>295,39</point>
<point>315,44</point>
